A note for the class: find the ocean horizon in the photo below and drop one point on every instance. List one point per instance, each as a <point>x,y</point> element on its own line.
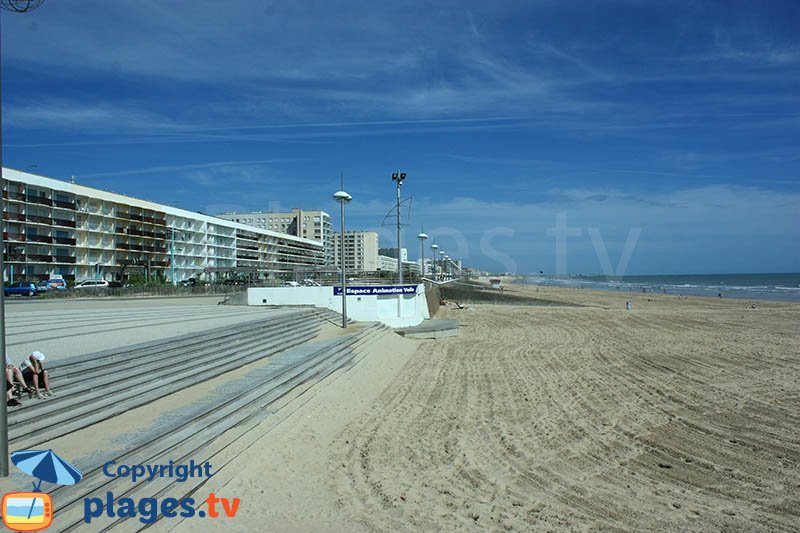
<point>765,286</point>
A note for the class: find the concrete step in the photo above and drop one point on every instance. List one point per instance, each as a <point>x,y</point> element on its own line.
<point>125,392</point>
<point>145,363</point>
<point>187,433</point>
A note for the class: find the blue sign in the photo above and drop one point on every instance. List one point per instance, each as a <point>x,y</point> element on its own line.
<point>377,290</point>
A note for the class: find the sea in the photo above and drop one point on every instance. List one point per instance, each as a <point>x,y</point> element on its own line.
<point>784,287</point>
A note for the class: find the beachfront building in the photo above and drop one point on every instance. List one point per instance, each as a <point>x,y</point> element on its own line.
<point>314,225</point>
<point>392,252</point>
<point>360,251</point>
<point>389,264</point>
<point>56,228</point>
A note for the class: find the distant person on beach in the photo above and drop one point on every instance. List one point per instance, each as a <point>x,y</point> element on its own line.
<point>34,373</point>
<point>628,306</point>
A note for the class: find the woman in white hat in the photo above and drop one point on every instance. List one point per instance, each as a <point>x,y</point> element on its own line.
<point>34,373</point>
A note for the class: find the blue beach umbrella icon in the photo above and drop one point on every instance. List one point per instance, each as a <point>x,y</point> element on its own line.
<point>46,465</point>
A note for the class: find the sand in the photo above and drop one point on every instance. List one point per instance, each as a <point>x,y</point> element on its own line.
<point>679,415</point>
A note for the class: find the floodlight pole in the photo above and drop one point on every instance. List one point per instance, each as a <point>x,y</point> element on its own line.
<point>18,6</point>
<point>398,177</point>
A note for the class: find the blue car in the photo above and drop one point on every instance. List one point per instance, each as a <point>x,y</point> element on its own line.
<point>22,287</point>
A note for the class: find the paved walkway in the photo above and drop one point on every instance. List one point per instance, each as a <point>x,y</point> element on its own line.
<point>80,326</point>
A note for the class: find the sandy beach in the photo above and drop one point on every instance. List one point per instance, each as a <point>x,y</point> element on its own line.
<point>681,414</point>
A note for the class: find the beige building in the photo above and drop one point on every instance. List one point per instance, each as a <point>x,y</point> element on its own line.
<point>360,251</point>
<point>56,228</point>
<point>314,225</point>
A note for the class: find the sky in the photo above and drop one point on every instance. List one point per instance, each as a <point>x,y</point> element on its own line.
<point>617,137</point>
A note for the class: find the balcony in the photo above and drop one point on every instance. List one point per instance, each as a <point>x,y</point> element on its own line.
<point>14,258</point>
<point>40,238</point>
<point>64,259</point>
<point>14,216</point>
<point>64,222</point>
<point>64,240</point>
<point>40,200</point>
<point>40,220</point>
<point>65,205</point>
<point>14,195</point>
<point>40,258</point>
<point>7,236</point>
<point>130,216</point>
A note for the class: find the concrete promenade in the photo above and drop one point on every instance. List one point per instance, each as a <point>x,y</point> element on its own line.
<point>63,328</point>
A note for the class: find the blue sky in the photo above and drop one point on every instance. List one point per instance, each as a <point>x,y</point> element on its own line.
<point>677,122</point>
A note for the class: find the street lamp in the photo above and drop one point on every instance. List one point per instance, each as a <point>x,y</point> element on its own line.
<point>441,263</point>
<point>342,197</point>
<point>19,6</point>
<point>398,177</point>
<point>434,247</point>
<point>422,236</point>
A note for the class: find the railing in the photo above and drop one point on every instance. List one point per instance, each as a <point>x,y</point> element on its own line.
<point>17,258</point>
<point>64,259</point>
<point>14,195</point>
<point>130,216</point>
<point>13,236</point>
<point>14,216</point>
<point>64,222</point>
<point>40,238</point>
<point>64,240</point>
<point>40,200</point>
<point>40,258</point>
<point>39,219</point>
<point>65,205</point>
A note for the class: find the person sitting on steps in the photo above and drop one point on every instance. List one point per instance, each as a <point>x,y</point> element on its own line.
<point>15,383</point>
<point>35,374</point>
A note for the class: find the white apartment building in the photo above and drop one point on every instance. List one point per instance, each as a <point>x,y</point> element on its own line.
<point>392,252</point>
<point>55,227</point>
<point>360,251</point>
<point>389,264</point>
<point>314,225</point>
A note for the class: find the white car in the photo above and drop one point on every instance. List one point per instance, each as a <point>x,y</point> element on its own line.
<point>92,284</point>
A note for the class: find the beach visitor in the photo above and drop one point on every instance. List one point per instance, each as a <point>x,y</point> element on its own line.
<point>628,306</point>
<point>14,375</point>
<point>10,400</point>
<point>34,374</point>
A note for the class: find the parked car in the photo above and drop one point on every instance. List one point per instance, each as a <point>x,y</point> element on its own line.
<point>191,282</point>
<point>28,288</point>
<point>291,284</point>
<point>91,284</point>
<point>55,283</point>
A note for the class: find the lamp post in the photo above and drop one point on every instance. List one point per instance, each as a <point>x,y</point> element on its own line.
<point>441,263</point>
<point>342,197</point>
<point>398,177</point>
<point>434,247</point>
<point>422,236</point>
<point>18,6</point>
